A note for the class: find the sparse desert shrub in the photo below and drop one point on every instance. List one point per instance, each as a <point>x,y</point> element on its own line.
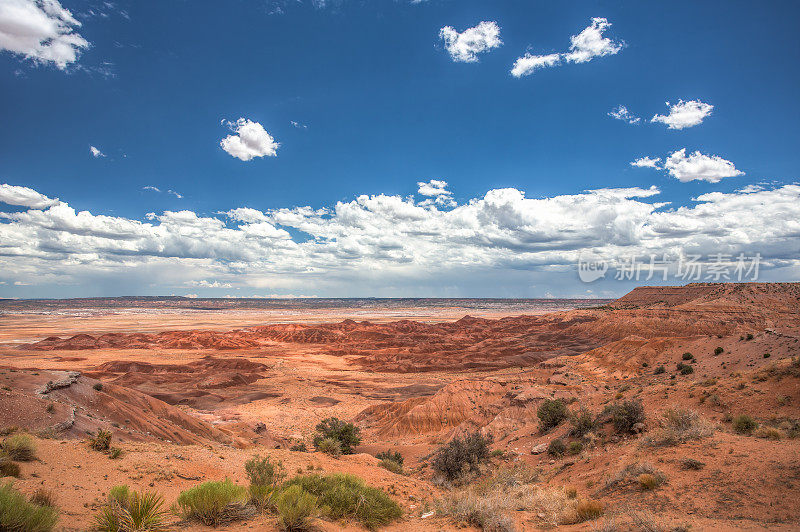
<point>391,465</point>
<point>461,456</point>
<point>50,408</point>
<point>572,493</point>
<point>587,510</point>
<point>626,415</point>
<point>557,448</point>
<point>264,498</point>
<point>263,471</point>
<point>679,425</point>
<point>769,433</point>
<point>98,386</point>
<point>394,456</point>
<point>101,441</point>
<point>659,370</point>
<point>551,413</point>
<point>347,434</point>
<point>8,468</point>
<point>213,502</point>
<point>582,423</point>
<point>329,446</point>
<point>296,507</point>
<point>114,452</point>
<point>647,482</point>
<point>131,511</point>
<point>19,447</point>
<point>744,424</point>
<point>718,351</point>
<point>19,515</point>
<point>685,369</point>
<point>43,497</point>
<point>687,356</point>
<point>767,355</point>
<point>633,473</point>
<point>299,447</point>
<point>692,464</point>
<point>574,447</point>
<point>342,496</point>
<point>750,336</point>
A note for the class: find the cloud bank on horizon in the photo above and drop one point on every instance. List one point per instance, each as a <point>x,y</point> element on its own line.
<point>376,241</point>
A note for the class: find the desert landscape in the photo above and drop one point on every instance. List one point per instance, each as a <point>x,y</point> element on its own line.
<point>671,408</point>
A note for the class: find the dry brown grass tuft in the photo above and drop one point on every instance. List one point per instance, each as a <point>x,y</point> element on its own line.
<point>678,425</point>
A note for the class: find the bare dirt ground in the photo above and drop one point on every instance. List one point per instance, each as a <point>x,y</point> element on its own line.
<point>185,392</point>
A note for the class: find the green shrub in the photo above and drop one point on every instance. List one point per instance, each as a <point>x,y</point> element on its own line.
<point>347,434</point>
<point>687,356</point>
<point>744,424</point>
<point>129,511</point>
<point>213,502</point>
<point>394,456</point>
<point>296,507</point>
<point>749,336</point>
<point>19,515</point>
<point>551,413</point>
<point>582,423</point>
<point>264,498</point>
<point>98,386</point>
<point>101,441</point>
<point>767,355</point>
<point>114,452</point>
<point>461,455</point>
<point>299,447</point>
<point>685,369</point>
<point>264,472</point>
<point>342,496</point>
<point>718,351</point>
<point>557,448</point>
<point>329,446</point>
<point>626,414</point>
<point>574,447</point>
<point>9,468</point>
<point>659,370</point>
<point>19,447</point>
<point>391,465</point>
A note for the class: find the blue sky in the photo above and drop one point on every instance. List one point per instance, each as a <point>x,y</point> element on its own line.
<point>380,103</point>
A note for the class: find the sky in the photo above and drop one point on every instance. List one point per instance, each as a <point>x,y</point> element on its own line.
<point>395,148</point>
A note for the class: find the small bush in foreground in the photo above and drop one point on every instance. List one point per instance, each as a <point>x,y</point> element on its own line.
<point>296,507</point>
<point>626,415</point>
<point>718,351</point>
<point>18,514</point>
<point>687,356</point>
<point>43,497</point>
<point>551,413</point>
<point>744,424</point>
<point>769,433</point>
<point>19,447</point>
<point>342,496</point>
<point>582,423</point>
<point>101,441</point>
<point>264,472</point>
<point>394,456</point>
<point>461,456</point>
<point>391,465</point>
<point>347,434</point>
<point>131,511</point>
<point>557,448</point>
<point>213,503</point>
<point>9,468</point>
<point>329,446</point>
<point>587,510</point>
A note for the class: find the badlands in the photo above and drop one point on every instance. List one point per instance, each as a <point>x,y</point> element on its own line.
<point>671,408</point>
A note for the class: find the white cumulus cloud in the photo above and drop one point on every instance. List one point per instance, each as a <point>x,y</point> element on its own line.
<point>646,162</point>
<point>585,46</point>
<point>40,30</point>
<point>464,47</point>
<point>249,140</point>
<point>699,167</point>
<point>26,197</point>
<point>684,114</point>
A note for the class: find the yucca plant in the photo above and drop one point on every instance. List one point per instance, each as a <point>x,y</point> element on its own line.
<point>131,511</point>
